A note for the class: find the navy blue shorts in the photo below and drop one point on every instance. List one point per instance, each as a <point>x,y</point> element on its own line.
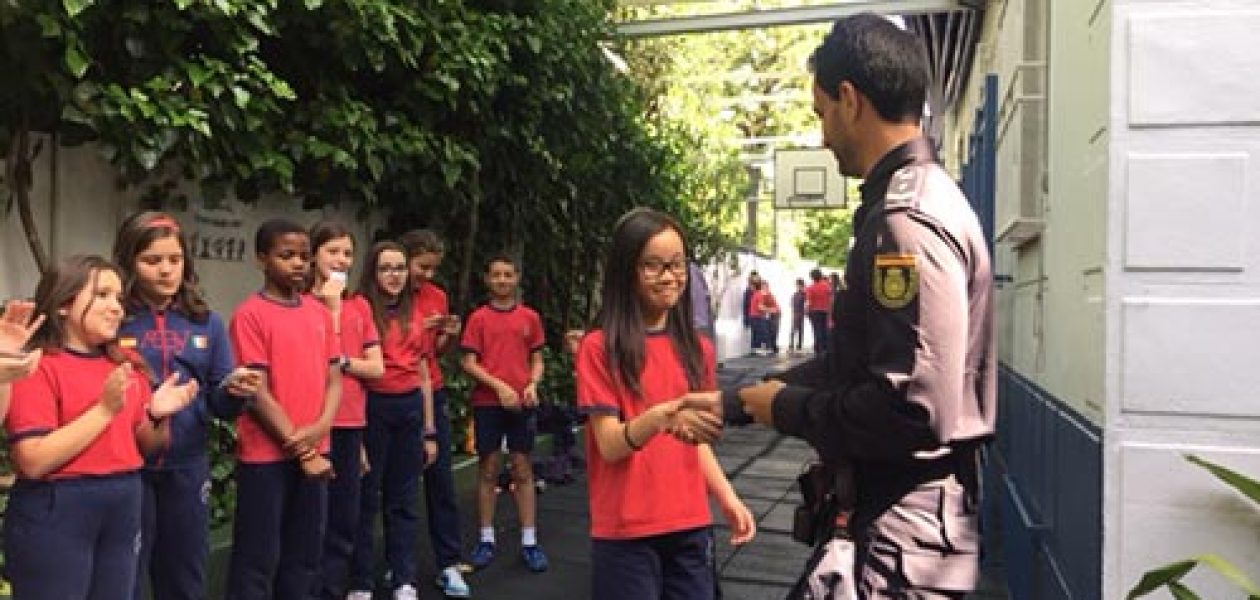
<point>671,566</point>
<point>74,538</point>
<point>491,424</point>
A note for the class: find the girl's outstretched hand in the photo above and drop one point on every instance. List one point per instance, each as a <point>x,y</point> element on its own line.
<point>17,325</point>
<point>16,366</point>
<point>170,397</point>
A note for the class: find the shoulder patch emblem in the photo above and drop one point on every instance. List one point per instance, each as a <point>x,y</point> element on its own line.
<point>902,187</point>
<point>895,281</point>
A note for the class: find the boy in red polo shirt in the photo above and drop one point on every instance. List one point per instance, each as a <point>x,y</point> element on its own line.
<point>503,343</point>
<point>289,336</point>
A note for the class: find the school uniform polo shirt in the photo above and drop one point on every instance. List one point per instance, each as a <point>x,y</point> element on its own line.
<point>659,489</point>
<point>294,344</point>
<point>402,354</point>
<point>431,300</point>
<point>818,296</point>
<point>64,386</point>
<point>358,333</point>
<point>503,340</point>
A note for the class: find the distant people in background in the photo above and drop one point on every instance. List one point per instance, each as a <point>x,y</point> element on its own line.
<point>770,307</point>
<point>818,307</point>
<point>748,313</point>
<point>757,320</point>
<point>701,301</point>
<point>797,336</point>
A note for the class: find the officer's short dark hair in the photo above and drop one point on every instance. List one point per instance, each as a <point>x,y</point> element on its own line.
<point>887,64</point>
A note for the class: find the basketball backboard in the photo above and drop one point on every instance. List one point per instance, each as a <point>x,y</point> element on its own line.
<point>807,178</point>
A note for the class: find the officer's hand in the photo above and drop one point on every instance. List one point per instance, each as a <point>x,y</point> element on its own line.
<point>759,401</point>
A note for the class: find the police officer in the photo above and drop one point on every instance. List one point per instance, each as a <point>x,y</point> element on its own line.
<point>906,392</point>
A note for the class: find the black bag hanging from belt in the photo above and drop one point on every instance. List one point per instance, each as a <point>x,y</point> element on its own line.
<point>827,493</point>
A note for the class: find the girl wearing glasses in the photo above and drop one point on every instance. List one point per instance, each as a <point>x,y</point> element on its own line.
<point>399,410</point>
<point>633,371</point>
<point>332,255</point>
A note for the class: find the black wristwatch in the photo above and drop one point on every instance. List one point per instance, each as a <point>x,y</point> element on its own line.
<point>343,363</point>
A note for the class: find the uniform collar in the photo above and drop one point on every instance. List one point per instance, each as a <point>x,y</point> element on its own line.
<point>918,150</point>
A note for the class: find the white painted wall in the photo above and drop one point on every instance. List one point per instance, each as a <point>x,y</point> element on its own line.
<point>90,206</point>
<point>1051,61</point>
<point>1183,286</point>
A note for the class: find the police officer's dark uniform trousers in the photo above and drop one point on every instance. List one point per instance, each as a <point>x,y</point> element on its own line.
<point>908,390</point>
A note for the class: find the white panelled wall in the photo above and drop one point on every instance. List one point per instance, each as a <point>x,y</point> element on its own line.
<point>1183,287</point>
<point>1138,305</point>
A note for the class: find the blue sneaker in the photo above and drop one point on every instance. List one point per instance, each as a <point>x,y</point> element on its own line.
<point>482,554</point>
<point>452,583</point>
<point>534,558</point>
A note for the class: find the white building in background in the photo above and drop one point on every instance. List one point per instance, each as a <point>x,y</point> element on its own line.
<point>1127,148</point>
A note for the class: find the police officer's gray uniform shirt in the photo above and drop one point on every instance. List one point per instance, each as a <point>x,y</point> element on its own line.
<point>910,378</point>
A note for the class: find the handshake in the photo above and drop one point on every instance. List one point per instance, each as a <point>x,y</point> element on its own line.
<point>695,418</point>
<point>698,417</point>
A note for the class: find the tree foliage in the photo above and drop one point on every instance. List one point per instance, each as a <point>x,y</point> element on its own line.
<point>498,122</point>
<point>747,93</point>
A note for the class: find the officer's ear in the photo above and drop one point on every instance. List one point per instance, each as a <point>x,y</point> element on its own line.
<point>850,100</point>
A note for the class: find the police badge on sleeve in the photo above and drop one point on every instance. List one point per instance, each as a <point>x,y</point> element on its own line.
<point>895,281</point>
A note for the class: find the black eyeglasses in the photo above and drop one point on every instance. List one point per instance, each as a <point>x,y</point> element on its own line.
<point>655,267</point>
<point>391,270</point>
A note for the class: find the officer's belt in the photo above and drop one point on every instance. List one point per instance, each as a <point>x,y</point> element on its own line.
<point>880,484</point>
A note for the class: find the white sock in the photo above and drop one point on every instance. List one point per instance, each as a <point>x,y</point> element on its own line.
<point>487,534</point>
<point>529,536</point>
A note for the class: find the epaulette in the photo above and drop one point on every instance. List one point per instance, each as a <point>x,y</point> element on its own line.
<point>904,186</point>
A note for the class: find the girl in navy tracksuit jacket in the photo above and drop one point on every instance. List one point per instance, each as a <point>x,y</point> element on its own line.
<point>169,324</point>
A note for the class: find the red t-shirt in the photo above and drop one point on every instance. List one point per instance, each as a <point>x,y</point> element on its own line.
<point>769,304</point>
<point>503,340</point>
<point>659,489</point>
<point>65,385</point>
<point>294,344</point>
<point>755,302</point>
<point>358,333</point>
<point>402,357</point>
<point>431,300</point>
<point>818,297</point>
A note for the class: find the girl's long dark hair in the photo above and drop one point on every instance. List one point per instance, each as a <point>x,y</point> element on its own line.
<point>135,235</point>
<point>620,316</point>
<point>56,291</point>
<point>376,297</point>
